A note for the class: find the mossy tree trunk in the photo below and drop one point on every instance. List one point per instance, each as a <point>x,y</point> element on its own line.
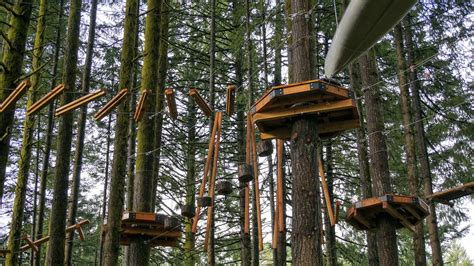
<point>386,234</point>
<point>10,70</point>
<point>409,143</point>
<point>14,242</point>
<point>143,185</point>
<point>57,224</point>
<point>119,163</point>
<point>81,130</point>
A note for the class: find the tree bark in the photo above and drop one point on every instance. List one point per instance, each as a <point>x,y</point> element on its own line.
<point>143,185</point>
<point>119,163</point>
<point>27,144</point>
<point>421,150</point>
<point>386,234</point>
<point>81,131</point>
<point>418,235</point>
<point>10,71</point>
<point>104,193</point>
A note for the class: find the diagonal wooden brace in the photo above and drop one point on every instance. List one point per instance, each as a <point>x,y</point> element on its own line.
<point>106,109</point>
<point>79,102</point>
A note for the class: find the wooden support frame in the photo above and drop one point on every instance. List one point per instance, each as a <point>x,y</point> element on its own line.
<point>141,105</point>
<point>248,149</point>
<point>212,180</point>
<point>392,211</point>
<point>79,102</point>
<point>49,97</point>
<point>206,170</point>
<point>230,99</point>
<point>451,194</point>
<point>280,184</point>
<point>200,102</point>
<point>15,95</point>
<point>170,99</point>
<point>29,242</point>
<point>256,184</point>
<point>327,197</point>
<point>114,102</point>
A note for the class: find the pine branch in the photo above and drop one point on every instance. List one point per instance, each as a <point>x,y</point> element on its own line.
<point>5,37</point>
<point>9,7</point>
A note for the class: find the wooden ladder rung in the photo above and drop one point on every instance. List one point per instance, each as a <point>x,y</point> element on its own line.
<point>15,95</point>
<point>141,106</point>
<point>49,97</point>
<point>230,99</point>
<point>170,99</point>
<point>106,109</point>
<point>79,102</point>
<point>200,101</point>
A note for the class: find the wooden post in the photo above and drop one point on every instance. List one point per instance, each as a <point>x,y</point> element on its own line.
<point>206,170</point>
<point>116,100</point>
<point>212,181</point>
<point>247,189</point>
<point>325,190</point>
<point>256,184</point>
<point>280,184</point>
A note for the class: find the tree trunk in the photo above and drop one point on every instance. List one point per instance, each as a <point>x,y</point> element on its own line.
<point>421,151</point>
<point>364,171</point>
<point>418,235</point>
<point>27,144</point>
<point>55,251</point>
<point>330,230</point>
<point>77,168</point>
<point>104,193</point>
<point>49,136</point>
<point>119,163</point>
<point>386,234</point>
<point>10,71</point>
<point>143,185</point>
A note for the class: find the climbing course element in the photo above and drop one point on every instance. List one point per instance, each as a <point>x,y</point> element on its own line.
<point>363,24</point>
<point>264,148</point>
<point>210,152</point>
<point>230,100</point>
<point>245,173</point>
<point>79,102</point>
<point>141,106</point>
<point>188,211</point>
<point>37,106</point>
<point>114,102</point>
<point>170,99</point>
<point>327,198</point>
<point>149,227</point>
<point>200,102</point>
<point>406,211</point>
<point>448,195</point>
<point>224,188</point>
<point>15,95</point>
<point>279,215</point>
<point>332,106</point>
<point>256,183</point>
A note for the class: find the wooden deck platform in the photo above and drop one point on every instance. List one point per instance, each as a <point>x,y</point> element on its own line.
<point>149,227</point>
<point>332,106</point>
<point>453,193</point>
<point>407,211</point>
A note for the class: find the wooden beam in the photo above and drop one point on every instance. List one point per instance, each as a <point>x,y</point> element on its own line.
<point>30,243</point>
<point>280,184</point>
<point>336,215</point>
<point>361,219</point>
<point>79,102</point>
<point>200,102</point>
<point>256,184</point>
<point>149,232</point>
<point>395,214</point>
<point>16,94</point>
<point>453,193</point>
<point>37,106</point>
<point>326,191</point>
<point>114,102</point>
<point>170,99</point>
<point>230,99</point>
<point>141,106</point>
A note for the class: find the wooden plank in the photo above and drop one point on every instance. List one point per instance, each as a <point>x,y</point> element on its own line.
<point>256,185</point>
<point>453,193</point>
<point>369,202</point>
<point>280,184</point>
<point>230,99</point>
<point>326,191</point>
<point>30,243</point>
<point>200,102</point>
<point>206,171</point>
<point>150,232</point>
<point>397,215</point>
<point>413,212</point>
<point>170,99</point>
<point>15,95</point>
<point>79,102</point>
<point>362,220</point>
<point>114,102</point>
<point>140,109</point>
<point>49,97</point>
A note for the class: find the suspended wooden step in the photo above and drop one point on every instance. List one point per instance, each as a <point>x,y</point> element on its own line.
<point>79,102</point>
<point>32,244</point>
<point>200,102</point>
<point>188,210</point>
<point>361,26</point>
<point>16,94</point>
<point>37,106</point>
<point>406,211</point>
<point>170,99</point>
<point>330,105</point>
<point>148,227</point>
<point>114,102</point>
<point>230,99</point>
<point>141,106</point>
<point>451,194</point>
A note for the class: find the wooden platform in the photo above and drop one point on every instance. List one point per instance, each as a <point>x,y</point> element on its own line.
<point>453,193</point>
<point>407,211</point>
<point>331,105</point>
<point>148,227</point>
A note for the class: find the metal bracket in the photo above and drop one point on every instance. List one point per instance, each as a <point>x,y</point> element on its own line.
<point>317,86</point>
<point>275,93</point>
<point>388,198</point>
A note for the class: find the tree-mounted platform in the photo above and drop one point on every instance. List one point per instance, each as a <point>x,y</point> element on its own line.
<point>153,228</point>
<point>331,105</point>
<point>451,194</point>
<point>406,211</point>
